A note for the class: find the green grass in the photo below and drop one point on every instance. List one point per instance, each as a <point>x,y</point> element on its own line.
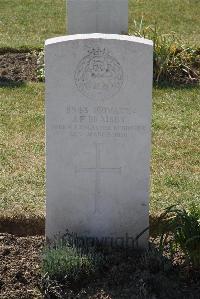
<point>175,154</point>
<point>178,16</point>
<point>27,23</point>
<point>22,150</point>
<point>176,143</point>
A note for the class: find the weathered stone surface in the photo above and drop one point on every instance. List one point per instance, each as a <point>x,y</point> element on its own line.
<point>98,131</point>
<point>102,16</point>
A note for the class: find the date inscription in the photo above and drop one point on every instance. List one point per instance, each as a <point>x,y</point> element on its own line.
<point>99,121</point>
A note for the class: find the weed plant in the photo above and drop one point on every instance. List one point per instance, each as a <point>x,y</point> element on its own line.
<point>174,63</point>
<point>40,67</point>
<point>184,228</point>
<point>66,262</point>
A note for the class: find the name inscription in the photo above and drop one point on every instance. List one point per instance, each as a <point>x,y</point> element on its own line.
<point>99,121</point>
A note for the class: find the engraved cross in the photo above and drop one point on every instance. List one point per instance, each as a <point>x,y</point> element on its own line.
<point>98,170</point>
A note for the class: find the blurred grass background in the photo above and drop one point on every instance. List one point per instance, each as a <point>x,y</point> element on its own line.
<point>27,23</point>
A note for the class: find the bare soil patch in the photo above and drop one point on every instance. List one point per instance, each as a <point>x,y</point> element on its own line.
<point>127,276</point>
<point>18,67</point>
<point>20,260</point>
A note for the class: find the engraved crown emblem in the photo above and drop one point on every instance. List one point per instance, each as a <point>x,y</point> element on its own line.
<point>97,52</point>
<point>98,75</point>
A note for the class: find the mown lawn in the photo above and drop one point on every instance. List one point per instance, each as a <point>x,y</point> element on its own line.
<point>176,144</point>
<point>22,150</point>
<point>175,153</point>
<point>27,23</point>
<point>178,16</point>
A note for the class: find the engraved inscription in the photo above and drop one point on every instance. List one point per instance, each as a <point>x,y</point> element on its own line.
<point>98,170</point>
<point>99,121</point>
<point>99,75</point>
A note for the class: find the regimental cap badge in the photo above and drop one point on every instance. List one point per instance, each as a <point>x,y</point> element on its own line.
<point>99,75</point>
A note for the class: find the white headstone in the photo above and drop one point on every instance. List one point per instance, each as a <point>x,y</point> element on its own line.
<point>98,131</point>
<point>102,16</point>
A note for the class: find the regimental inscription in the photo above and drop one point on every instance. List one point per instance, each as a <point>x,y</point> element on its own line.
<point>97,171</point>
<point>99,121</point>
<point>99,76</point>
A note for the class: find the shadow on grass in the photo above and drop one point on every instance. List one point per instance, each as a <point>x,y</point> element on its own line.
<point>23,49</point>
<point>167,85</point>
<point>30,226</point>
<point>22,226</point>
<point>9,83</point>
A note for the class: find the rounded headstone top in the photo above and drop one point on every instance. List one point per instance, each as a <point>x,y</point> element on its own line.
<point>74,37</point>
